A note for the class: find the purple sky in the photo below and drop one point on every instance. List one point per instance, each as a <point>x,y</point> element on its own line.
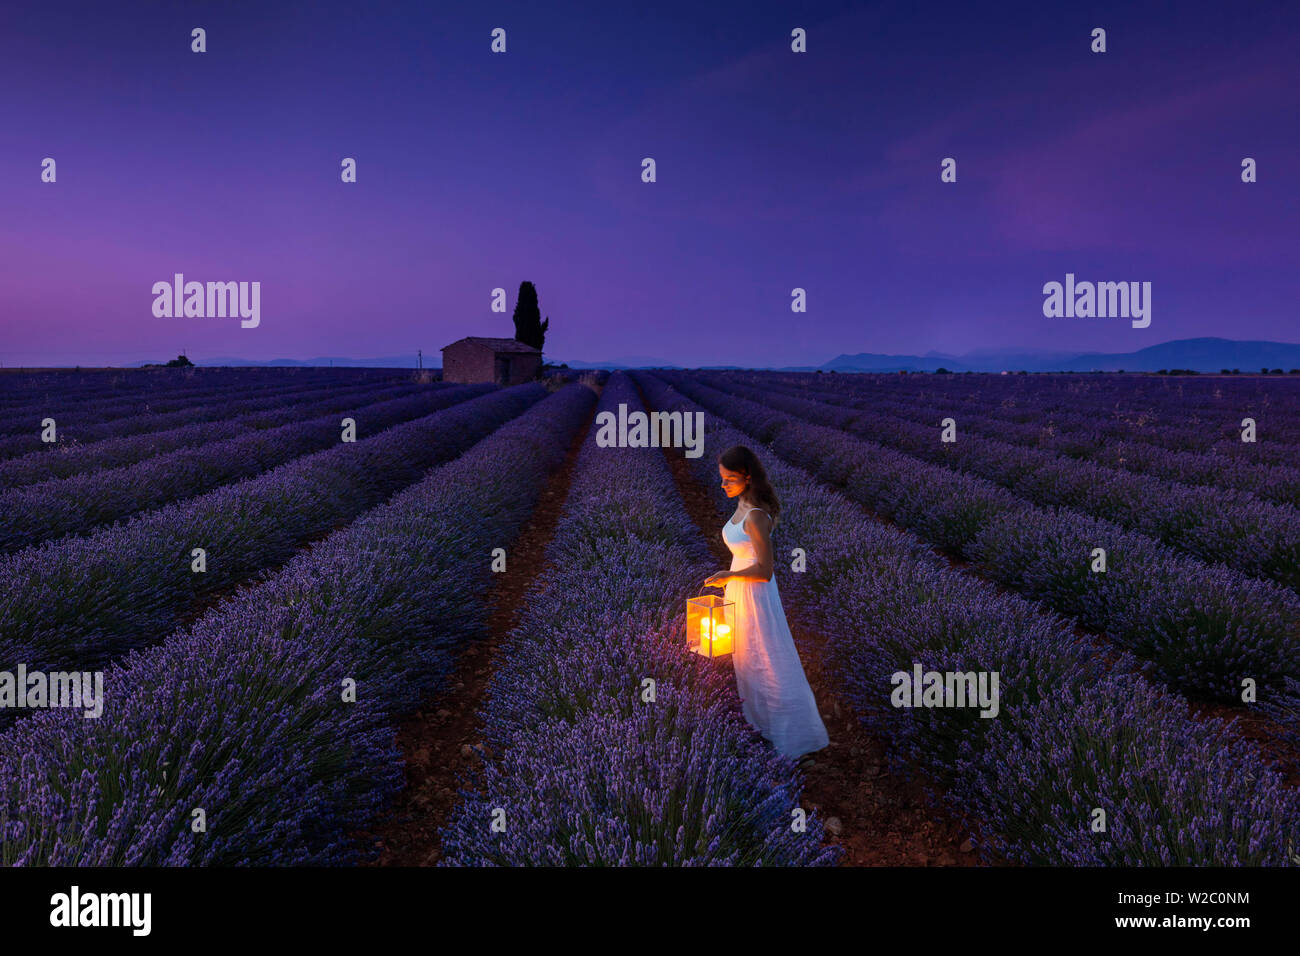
<point>775,170</point>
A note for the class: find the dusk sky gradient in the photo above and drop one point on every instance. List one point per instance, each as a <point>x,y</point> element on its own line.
<point>775,170</point>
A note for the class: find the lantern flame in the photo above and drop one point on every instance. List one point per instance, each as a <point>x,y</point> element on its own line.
<point>715,637</point>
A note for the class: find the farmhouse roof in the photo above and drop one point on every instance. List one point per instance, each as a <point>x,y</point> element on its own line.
<point>496,345</point>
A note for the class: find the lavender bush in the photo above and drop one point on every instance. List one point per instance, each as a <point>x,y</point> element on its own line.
<point>51,509</point>
<point>78,602</point>
<point>1074,432</point>
<point>1188,415</point>
<point>65,459</point>
<point>242,715</point>
<point>1114,741</point>
<point>82,410</point>
<point>1189,792</point>
<point>140,415</point>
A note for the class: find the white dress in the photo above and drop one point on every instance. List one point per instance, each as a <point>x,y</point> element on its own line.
<point>774,692</point>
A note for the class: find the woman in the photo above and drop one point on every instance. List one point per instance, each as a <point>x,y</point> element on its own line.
<point>774,693</point>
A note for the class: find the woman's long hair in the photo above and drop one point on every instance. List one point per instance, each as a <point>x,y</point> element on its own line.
<point>740,458</point>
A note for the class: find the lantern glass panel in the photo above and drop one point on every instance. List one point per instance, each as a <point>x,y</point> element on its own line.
<point>710,625</point>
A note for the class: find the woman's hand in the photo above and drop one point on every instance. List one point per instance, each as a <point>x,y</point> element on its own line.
<point>718,580</point>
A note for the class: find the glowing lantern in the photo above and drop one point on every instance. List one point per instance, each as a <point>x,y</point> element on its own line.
<point>710,625</point>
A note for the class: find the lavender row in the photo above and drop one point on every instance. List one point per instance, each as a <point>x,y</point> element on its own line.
<point>242,715</point>
<point>1112,399</point>
<point>1164,421</point>
<point>1071,737</point>
<point>76,412</point>
<point>81,601</point>
<point>64,460</point>
<point>18,388</point>
<point>583,769</point>
<point>65,387</point>
<point>1218,525</point>
<point>1073,434</point>
<point>1203,629</point>
<point>1265,468</point>
<point>221,407</point>
<point>52,509</point>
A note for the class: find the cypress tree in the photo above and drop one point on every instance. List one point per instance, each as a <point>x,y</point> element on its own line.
<point>529,327</point>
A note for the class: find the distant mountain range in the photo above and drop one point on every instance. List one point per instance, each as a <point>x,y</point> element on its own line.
<point>1202,354</point>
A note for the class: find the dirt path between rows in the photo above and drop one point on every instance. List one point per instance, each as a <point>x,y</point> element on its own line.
<point>879,819</point>
<point>438,742</point>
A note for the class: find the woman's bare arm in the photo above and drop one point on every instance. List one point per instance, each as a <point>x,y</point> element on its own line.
<point>759,529</point>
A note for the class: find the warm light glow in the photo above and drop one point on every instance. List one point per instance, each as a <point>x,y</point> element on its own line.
<point>715,637</point>
<point>710,625</point>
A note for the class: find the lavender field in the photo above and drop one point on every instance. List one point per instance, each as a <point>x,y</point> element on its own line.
<point>366,617</point>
